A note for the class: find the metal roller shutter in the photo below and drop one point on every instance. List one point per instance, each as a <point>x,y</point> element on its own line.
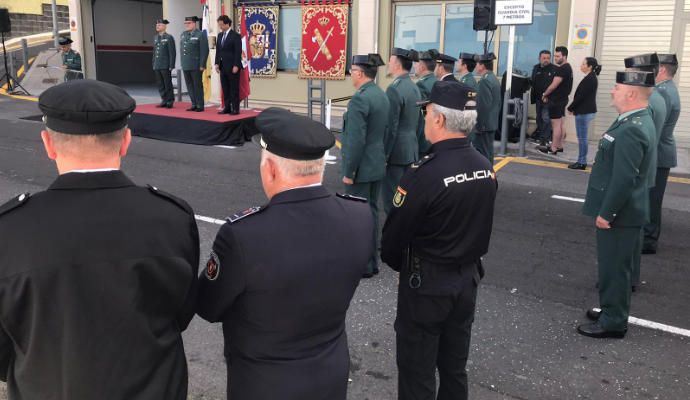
<point>632,27</point>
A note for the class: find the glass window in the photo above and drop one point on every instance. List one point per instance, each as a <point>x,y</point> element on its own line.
<point>459,35</point>
<point>289,38</point>
<point>531,39</point>
<point>417,27</point>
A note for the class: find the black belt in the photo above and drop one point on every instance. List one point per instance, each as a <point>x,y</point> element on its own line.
<point>414,263</point>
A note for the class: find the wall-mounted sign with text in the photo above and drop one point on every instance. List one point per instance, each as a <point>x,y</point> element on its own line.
<point>514,12</point>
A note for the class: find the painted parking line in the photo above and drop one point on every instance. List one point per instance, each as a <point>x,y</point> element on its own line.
<point>210,220</point>
<point>656,326</point>
<point>566,198</point>
<point>557,165</point>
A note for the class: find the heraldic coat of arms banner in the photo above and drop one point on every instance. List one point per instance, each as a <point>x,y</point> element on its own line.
<point>324,41</point>
<point>262,27</point>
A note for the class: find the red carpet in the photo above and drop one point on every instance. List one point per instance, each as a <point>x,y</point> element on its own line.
<point>209,114</point>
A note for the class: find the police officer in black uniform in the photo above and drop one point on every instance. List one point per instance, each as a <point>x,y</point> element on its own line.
<point>98,276</point>
<point>435,235</point>
<point>281,277</point>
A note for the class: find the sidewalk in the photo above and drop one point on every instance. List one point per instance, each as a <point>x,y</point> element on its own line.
<point>570,154</point>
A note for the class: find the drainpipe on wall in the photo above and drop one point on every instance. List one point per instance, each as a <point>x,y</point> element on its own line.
<point>55,24</point>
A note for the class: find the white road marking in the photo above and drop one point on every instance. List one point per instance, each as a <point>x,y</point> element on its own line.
<point>222,146</point>
<point>210,220</point>
<point>575,199</point>
<point>656,326</point>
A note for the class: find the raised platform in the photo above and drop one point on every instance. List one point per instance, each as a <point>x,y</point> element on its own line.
<point>205,128</point>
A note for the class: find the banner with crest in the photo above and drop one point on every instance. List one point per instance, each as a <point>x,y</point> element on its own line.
<point>324,40</point>
<point>262,27</point>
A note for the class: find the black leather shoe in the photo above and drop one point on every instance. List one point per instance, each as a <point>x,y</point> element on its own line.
<point>577,166</point>
<point>235,113</point>
<point>224,112</point>
<point>199,109</point>
<point>370,274</point>
<point>594,330</point>
<point>547,150</point>
<point>559,150</point>
<point>161,105</point>
<point>593,314</point>
<point>648,250</point>
<point>169,105</point>
<point>191,109</point>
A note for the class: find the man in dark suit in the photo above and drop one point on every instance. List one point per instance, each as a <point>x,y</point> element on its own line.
<point>445,68</point>
<point>95,296</point>
<point>229,64</point>
<point>279,277</point>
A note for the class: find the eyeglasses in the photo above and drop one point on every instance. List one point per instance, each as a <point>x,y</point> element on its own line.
<point>424,111</point>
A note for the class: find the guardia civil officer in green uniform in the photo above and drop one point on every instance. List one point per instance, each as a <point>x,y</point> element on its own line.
<point>657,109</point>
<point>400,142</point>
<point>666,152</point>
<point>618,197</point>
<point>435,236</point>
<point>71,60</point>
<point>488,106</point>
<point>424,70</point>
<point>164,62</point>
<point>466,66</point>
<point>194,54</point>
<point>365,124</point>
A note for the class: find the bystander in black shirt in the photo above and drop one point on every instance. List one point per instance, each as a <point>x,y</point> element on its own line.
<point>561,93</point>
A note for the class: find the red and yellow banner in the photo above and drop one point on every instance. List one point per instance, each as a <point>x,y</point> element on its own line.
<point>324,41</point>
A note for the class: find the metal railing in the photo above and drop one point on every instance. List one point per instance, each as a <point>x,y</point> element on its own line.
<point>519,112</point>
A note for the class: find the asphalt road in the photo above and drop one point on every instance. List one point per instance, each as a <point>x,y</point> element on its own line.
<point>540,278</point>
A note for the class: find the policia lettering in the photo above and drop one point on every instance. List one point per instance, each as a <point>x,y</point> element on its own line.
<point>464,177</point>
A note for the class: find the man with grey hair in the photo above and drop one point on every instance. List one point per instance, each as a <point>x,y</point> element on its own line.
<point>98,276</point>
<point>280,277</point>
<point>435,236</point>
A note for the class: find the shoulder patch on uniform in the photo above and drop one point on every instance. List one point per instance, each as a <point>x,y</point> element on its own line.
<point>175,200</point>
<point>423,161</point>
<point>609,137</point>
<point>212,267</point>
<point>14,203</point>
<point>244,214</point>
<point>399,197</point>
<point>351,197</point>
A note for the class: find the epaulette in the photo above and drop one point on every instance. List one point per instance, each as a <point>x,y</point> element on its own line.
<point>351,197</point>
<point>175,200</point>
<point>423,160</point>
<point>244,214</point>
<point>14,203</point>
<point>636,121</point>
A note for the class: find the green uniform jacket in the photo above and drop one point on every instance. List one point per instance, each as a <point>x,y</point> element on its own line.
<point>400,142</point>
<point>468,79</point>
<point>617,189</point>
<point>424,84</point>
<point>657,110</point>
<point>72,60</point>
<point>667,144</point>
<point>164,52</point>
<point>365,124</point>
<point>488,103</point>
<point>194,50</point>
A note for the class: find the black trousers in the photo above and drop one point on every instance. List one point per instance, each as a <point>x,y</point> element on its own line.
<point>231,88</point>
<point>165,86</point>
<point>433,329</point>
<point>195,87</point>
<point>652,230</point>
